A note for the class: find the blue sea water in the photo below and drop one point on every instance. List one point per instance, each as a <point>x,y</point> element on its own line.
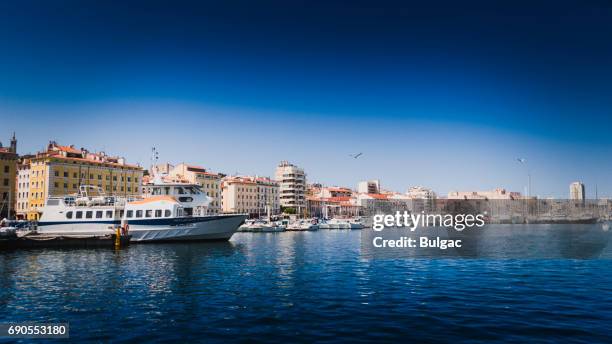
<point>304,287</point>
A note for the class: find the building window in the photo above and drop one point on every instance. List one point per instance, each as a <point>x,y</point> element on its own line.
<point>74,175</point>
<point>66,174</point>
<point>57,173</point>
<point>6,169</point>
<point>5,182</point>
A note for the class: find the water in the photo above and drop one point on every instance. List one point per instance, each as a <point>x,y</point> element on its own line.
<point>304,287</point>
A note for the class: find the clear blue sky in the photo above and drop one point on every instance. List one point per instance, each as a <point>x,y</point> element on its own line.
<point>440,95</point>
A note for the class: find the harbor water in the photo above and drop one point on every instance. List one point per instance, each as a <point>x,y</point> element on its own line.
<point>304,287</point>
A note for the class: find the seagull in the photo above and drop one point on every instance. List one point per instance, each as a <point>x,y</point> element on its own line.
<point>521,160</point>
<point>355,156</point>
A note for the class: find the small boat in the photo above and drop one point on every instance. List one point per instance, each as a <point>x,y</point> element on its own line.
<point>303,225</point>
<point>335,224</point>
<point>355,223</point>
<point>261,226</point>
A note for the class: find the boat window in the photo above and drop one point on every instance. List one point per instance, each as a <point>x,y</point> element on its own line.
<point>79,214</point>
<point>69,215</point>
<point>156,191</point>
<point>158,213</point>
<point>88,214</point>
<point>149,213</point>
<point>138,213</point>
<point>180,191</point>
<point>99,214</point>
<point>130,213</point>
<point>109,214</point>
<point>167,213</point>
<point>121,214</point>
<point>167,189</point>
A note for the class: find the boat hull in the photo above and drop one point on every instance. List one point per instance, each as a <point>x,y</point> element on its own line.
<point>220,227</point>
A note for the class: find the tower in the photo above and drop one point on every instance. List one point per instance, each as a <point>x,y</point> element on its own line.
<point>13,147</point>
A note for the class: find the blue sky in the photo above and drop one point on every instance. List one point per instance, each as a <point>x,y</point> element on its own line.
<point>438,95</point>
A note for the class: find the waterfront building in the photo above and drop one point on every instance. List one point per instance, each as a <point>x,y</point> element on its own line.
<point>292,183</point>
<point>335,191</point>
<point>378,203</point>
<point>497,194</point>
<point>423,199</point>
<point>329,207</point>
<point>61,170</point>
<point>577,191</point>
<point>251,194</point>
<point>369,187</point>
<point>23,187</point>
<point>8,177</point>
<point>210,182</point>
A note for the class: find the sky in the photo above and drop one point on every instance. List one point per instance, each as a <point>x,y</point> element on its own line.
<point>442,94</point>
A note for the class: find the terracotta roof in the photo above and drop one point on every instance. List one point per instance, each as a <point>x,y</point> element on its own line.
<point>378,196</point>
<point>68,149</point>
<point>339,199</point>
<point>57,156</point>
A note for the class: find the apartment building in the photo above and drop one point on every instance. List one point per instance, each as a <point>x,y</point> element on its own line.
<point>292,183</point>
<point>61,170</point>
<point>253,195</point>
<point>8,177</point>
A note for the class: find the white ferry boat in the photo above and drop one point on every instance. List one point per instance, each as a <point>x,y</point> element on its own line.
<point>160,217</point>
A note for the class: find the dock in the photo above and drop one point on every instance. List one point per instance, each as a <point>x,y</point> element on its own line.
<point>34,240</point>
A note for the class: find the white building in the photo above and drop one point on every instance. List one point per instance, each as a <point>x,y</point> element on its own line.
<point>577,191</point>
<point>419,192</point>
<point>252,195</point>
<point>369,187</point>
<point>23,189</point>
<point>292,183</point>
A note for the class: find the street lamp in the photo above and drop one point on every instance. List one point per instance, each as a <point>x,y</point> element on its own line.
<point>523,161</point>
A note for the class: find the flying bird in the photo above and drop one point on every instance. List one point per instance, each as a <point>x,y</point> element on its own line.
<point>355,156</point>
<point>521,160</point>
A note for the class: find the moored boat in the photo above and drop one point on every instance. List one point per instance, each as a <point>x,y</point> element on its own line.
<point>156,218</point>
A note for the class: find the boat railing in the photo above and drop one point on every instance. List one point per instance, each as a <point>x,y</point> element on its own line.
<point>88,201</point>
